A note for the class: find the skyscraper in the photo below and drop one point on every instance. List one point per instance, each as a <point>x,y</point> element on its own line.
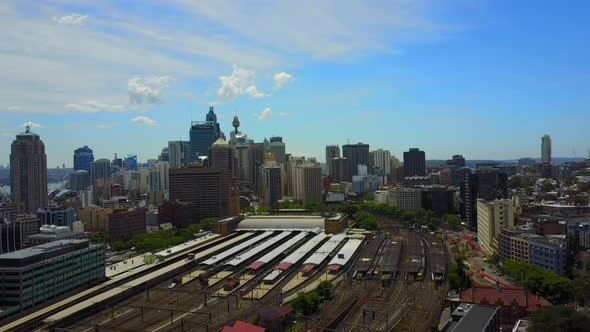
<point>130,162</point>
<point>277,147</point>
<point>83,158</point>
<point>310,183</point>
<point>380,160</point>
<point>414,163</point>
<point>176,154</point>
<point>332,151</point>
<point>340,170</point>
<point>202,135</point>
<point>199,189</point>
<point>28,171</point>
<point>221,157</point>
<point>100,170</point>
<point>355,154</point>
<point>546,149</point>
<point>487,183</point>
<point>163,168</point>
<point>271,184</point>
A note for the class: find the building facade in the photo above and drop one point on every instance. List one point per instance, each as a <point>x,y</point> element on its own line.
<point>271,185</point>
<point>332,151</point>
<point>78,180</point>
<point>100,170</point>
<point>491,217</point>
<point>202,135</point>
<point>380,161</point>
<point>32,276</point>
<point>405,198</point>
<point>58,216</point>
<point>546,149</point>
<point>355,154</point>
<point>199,188</point>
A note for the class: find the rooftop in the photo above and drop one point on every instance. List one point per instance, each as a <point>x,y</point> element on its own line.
<point>475,318</point>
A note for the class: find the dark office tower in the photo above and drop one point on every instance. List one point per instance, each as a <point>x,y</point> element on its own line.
<point>83,158</point>
<point>255,160</point>
<point>414,163</point>
<point>332,151</point>
<point>355,154</point>
<point>340,170</point>
<point>487,183</point>
<point>202,135</point>
<point>28,171</point>
<point>272,185</point>
<point>117,162</point>
<point>78,180</point>
<point>458,161</point>
<point>100,170</point>
<point>199,189</point>
<point>277,147</point>
<point>130,162</point>
<point>221,157</point>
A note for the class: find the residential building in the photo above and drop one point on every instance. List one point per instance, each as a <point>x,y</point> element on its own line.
<point>83,158</point>
<point>380,160</point>
<point>487,183</point>
<point>28,171</point>
<point>405,198</point>
<point>200,189</point>
<point>414,163</point>
<point>491,217</point>
<point>546,149</point>
<point>94,218</point>
<point>355,154</point>
<point>332,151</point>
<point>32,276</point>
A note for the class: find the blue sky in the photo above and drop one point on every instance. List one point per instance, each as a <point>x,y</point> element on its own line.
<point>482,78</point>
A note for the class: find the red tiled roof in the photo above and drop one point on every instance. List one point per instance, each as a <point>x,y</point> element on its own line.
<point>284,266</point>
<point>240,326</point>
<point>491,295</point>
<point>334,267</point>
<point>308,268</point>
<point>255,265</point>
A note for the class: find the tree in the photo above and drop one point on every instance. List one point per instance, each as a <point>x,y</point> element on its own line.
<point>307,304</point>
<point>206,223</point>
<point>547,186</point>
<point>120,246</point>
<point>454,222</point>
<point>325,290</point>
<point>551,286</point>
<point>581,287</point>
<point>515,182</point>
<point>559,319</point>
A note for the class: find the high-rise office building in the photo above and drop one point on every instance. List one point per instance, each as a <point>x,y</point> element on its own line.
<point>221,158</point>
<point>332,151</point>
<point>293,176</point>
<point>178,153</point>
<point>414,163</point>
<point>130,162</point>
<point>78,180</point>
<point>457,160</point>
<point>28,171</point>
<point>83,158</point>
<point>546,149</point>
<point>15,229</point>
<point>100,170</point>
<point>310,183</point>
<point>272,189</point>
<point>255,161</point>
<point>277,147</point>
<point>35,275</point>
<point>199,188</point>
<point>340,170</point>
<point>163,168</point>
<point>380,162</point>
<point>202,135</point>
<point>355,154</point>
<point>59,216</point>
<point>405,198</point>
<point>154,180</point>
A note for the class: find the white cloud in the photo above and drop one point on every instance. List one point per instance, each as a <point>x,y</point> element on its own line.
<point>32,124</point>
<point>240,82</point>
<point>283,114</point>
<point>93,106</point>
<point>265,114</point>
<point>147,90</point>
<point>281,79</point>
<point>72,19</point>
<point>144,120</point>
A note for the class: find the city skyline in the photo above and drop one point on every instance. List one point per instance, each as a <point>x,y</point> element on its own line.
<point>424,73</point>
